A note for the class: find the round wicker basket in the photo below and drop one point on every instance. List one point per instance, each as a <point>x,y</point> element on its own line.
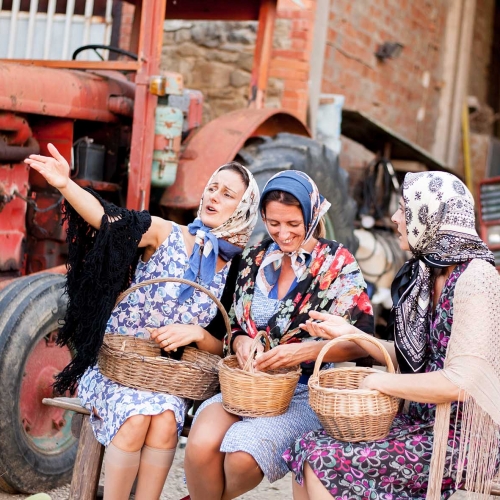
<point>346,412</point>
<point>138,363</point>
<point>250,393</point>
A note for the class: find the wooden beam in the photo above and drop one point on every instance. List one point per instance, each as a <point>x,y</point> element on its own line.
<point>82,65</point>
<point>262,53</point>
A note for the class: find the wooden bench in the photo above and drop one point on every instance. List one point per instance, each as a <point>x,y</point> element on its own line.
<point>88,463</point>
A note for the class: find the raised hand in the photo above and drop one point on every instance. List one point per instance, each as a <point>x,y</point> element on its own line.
<point>55,168</point>
<point>327,326</point>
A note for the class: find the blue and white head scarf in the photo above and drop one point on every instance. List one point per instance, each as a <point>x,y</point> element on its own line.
<point>227,240</point>
<point>313,206</point>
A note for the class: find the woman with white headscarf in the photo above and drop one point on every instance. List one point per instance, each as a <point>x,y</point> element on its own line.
<point>140,428</point>
<point>279,281</point>
<point>446,342</point>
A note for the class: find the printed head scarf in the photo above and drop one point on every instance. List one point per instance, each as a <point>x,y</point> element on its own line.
<point>227,240</point>
<point>313,207</point>
<point>440,224</point>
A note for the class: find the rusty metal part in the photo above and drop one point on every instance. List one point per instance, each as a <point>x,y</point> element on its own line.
<point>141,154</point>
<point>17,128</point>
<point>121,105</point>
<point>68,94</point>
<point>14,154</point>
<point>219,142</point>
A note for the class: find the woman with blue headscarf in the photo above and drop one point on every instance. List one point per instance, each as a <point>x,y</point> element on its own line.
<point>280,280</point>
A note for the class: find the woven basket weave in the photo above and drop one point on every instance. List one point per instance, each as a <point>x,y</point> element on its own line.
<point>138,363</point>
<point>346,412</point>
<point>250,393</point>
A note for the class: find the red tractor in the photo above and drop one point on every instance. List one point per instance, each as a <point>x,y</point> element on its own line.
<point>133,133</point>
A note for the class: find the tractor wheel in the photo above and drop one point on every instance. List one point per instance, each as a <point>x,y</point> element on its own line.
<point>37,449</point>
<point>266,156</point>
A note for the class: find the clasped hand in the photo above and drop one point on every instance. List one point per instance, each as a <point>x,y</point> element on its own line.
<point>171,337</point>
<point>281,356</point>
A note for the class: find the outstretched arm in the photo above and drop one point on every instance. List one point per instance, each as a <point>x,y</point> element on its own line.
<point>56,171</point>
<point>330,326</point>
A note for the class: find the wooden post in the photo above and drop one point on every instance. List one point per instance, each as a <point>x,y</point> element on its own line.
<point>88,463</point>
<point>262,54</point>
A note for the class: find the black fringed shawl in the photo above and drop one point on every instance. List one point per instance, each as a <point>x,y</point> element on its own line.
<point>101,264</point>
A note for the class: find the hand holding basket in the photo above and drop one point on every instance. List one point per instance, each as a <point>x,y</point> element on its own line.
<point>346,412</point>
<point>137,362</point>
<point>250,393</point>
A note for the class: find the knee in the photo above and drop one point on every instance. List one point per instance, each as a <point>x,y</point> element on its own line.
<point>165,425</point>
<point>240,463</point>
<point>133,431</point>
<point>136,425</point>
<point>201,446</point>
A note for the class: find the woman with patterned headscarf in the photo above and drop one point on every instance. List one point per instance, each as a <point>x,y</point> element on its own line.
<point>446,316</point>
<point>140,428</point>
<point>279,281</point>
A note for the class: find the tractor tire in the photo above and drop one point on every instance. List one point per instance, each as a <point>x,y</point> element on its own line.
<point>37,449</point>
<point>265,156</point>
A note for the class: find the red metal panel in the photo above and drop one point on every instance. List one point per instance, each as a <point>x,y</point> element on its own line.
<point>57,131</point>
<point>13,178</point>
<point>219,142</point>
<point>62,93</point>
<point>141,154</point>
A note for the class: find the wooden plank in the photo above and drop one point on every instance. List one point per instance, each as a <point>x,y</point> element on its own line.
<point>72,404</point>
<point>82,65</point>
<point>374,136</point>
<point>88,463</point>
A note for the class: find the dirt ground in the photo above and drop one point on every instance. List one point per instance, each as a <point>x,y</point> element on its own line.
<point>175,489</point>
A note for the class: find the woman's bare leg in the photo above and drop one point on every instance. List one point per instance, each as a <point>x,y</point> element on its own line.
<point>204,462</point>
<point>299,492</point>
<point>242,473</point>
<point>314,486</point>
<point>123,457</point>
<point>157,456</point>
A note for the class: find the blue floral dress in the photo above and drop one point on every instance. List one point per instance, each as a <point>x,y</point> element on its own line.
<point>397,467</point>
<point>152,306</point>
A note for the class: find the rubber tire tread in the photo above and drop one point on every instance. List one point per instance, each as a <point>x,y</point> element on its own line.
<point>266,156</point>
<point>29,308</point>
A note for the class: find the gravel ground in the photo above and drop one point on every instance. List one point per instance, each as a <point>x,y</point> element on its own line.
<point>175,489</point>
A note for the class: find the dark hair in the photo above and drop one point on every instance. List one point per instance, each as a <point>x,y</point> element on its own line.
<point>234,166</point>
<point>288,199</point>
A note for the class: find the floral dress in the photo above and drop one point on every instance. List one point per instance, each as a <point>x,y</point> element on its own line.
<point>396,467</point>
<point>152,306</point>
<point>333,283</point>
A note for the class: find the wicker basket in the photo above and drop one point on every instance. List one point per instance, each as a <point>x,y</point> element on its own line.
<point>138,363</point>
<point>250,393</point>
<point>346,412</point>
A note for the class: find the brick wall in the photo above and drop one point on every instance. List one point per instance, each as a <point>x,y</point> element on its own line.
<point>401,93</point>
<point>291,55</point>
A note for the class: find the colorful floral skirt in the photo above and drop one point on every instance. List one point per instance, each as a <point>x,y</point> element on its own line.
<point>390,469</point>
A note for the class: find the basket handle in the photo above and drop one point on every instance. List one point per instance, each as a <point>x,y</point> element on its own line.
<point>353,337</point>
<point>253,349</point>
<point>179,280</point>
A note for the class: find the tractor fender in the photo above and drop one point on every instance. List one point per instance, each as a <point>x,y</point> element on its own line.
<point>218,142</point>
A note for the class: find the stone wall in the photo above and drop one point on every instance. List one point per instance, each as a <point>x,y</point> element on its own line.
<point>216,57</point>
